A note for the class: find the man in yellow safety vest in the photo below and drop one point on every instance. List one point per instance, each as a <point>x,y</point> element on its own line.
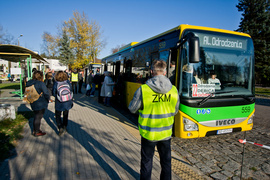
<point>74,78</point>
<point>157,102</point>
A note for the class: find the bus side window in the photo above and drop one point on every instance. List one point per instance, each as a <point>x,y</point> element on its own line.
<point>164,55</point>
<point>154,56</point>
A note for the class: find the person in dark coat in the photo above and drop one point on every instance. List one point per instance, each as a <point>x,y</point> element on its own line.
<point>49,82</point>
<point>60,107</point>
<point>39,106</point>
<point>94,83</point>
<point>89,82</point>
<point>100,82</point>
<point>80,81</point>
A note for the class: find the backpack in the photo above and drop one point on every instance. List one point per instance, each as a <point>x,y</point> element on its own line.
<point>63,92</point>
<point>31,94</point>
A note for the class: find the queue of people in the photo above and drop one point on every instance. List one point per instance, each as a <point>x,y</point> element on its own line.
<point>152,114</point>
<point>59,86</point>
<point>50,87</point>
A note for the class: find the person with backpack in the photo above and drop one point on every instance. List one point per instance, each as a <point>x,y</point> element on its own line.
<point>40,104</point>
<point>62,91</point>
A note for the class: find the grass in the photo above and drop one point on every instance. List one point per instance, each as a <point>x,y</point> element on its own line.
<point>11,132</point>
<point>262,91</point>
<point>254,169</point>
<point>12,85</point>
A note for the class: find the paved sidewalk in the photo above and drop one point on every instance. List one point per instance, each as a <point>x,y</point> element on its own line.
<point>100,144</point>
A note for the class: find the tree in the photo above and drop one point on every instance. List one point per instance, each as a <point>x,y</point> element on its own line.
<point>116,49</point>
<point>50,44</point>
<point>65,52</point>
<point>255,21</point>
<point>85,39</point>
<point>5,38</point>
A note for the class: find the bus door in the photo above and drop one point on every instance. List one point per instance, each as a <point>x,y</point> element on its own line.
<point>169,56</point>
<point>119,86</point>
<point>117,70</point>
<point>172,64</point>
<point>128,70</point>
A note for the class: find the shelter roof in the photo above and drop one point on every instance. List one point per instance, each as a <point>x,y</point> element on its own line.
<point>17,53</point>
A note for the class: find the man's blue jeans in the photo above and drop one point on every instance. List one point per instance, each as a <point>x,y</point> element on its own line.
<point>93,89</point>
<point>147,153</point>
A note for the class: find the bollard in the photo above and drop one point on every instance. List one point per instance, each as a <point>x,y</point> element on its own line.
<point>7,111</point>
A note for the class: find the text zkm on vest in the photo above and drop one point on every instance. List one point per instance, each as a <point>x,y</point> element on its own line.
<point>161,98</point>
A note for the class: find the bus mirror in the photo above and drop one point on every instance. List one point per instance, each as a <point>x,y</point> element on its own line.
<point>194,49</point>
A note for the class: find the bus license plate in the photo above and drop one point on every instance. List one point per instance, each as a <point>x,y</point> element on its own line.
<point>224,131</point>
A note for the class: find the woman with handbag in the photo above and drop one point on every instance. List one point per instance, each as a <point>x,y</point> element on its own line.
<point>89,83</point>
<point>40,105</point>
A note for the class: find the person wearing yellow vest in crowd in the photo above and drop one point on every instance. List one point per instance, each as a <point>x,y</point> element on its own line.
<point>157,102</point>
<point>74,78</point>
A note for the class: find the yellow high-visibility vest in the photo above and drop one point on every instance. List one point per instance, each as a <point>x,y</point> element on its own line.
<point>74,77</point>
<point>157,117</point>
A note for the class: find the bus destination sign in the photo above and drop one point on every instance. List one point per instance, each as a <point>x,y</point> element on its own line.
<point>222,42</point>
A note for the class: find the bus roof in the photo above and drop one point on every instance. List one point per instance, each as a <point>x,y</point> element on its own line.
<point>181,28</point>
<point>186,26</point>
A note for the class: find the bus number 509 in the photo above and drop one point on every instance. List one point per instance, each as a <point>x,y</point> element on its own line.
<point>246,109</point>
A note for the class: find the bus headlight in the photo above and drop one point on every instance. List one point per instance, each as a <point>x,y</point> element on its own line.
<point>189,125</point>
<point>250,120</point>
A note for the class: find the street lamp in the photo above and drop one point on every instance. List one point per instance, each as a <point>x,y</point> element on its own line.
<point>18,39</point>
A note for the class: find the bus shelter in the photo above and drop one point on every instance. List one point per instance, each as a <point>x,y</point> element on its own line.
<point>25,58</point>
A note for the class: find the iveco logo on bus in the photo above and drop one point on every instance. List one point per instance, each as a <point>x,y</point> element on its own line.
<point>225,122</point>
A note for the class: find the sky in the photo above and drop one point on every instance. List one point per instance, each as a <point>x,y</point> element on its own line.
<point>121,21</point>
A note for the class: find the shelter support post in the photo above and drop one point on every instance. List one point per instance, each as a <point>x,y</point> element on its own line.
<point>30,57</point>
<point>21,81</point>
<point>28,70</point>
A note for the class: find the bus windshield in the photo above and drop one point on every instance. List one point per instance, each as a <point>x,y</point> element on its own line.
<point>226,65</point>
<point>94,67</point>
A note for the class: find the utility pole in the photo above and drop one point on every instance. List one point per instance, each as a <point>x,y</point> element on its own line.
<point>18,39</point>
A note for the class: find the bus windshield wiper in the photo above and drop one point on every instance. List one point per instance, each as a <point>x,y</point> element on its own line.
<point>250,99</point>
<point>211,94</point>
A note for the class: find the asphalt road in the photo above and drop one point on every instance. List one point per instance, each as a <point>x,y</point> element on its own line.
<point>262,113</point>
<point>220,157</point>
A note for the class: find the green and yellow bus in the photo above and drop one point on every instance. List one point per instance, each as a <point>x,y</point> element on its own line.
<point>214,74</point>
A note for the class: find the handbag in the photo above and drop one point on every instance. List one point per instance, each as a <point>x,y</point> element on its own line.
<point>88,87</point>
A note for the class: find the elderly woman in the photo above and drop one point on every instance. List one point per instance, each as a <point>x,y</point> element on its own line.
<point>107,88</point>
